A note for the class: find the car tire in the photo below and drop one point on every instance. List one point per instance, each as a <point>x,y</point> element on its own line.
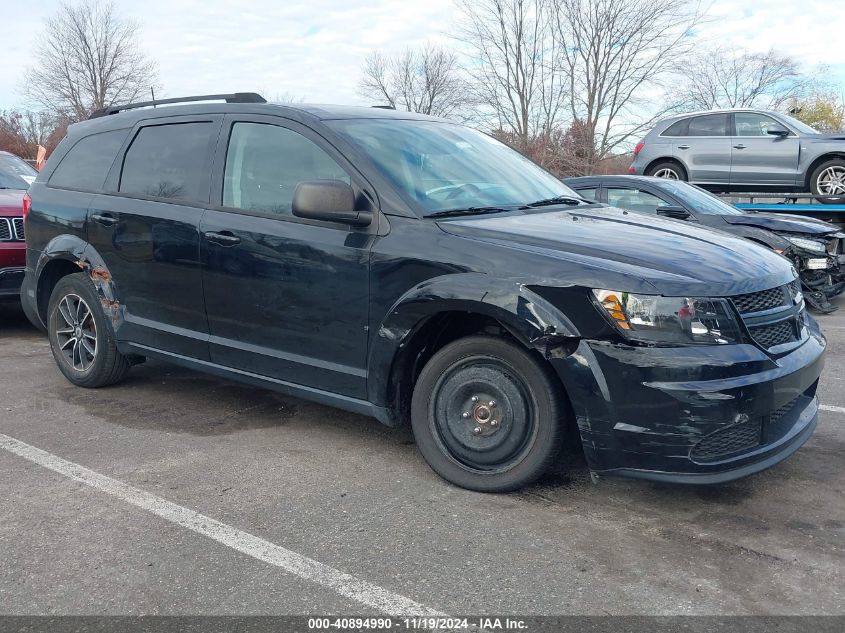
<point>486,415</point>
<point>825,177</point>
<point>80,339</point>
<point>665,168</point>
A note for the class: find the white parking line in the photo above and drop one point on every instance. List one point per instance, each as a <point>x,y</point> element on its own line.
<point>829,407</point>
<point>306,568</point>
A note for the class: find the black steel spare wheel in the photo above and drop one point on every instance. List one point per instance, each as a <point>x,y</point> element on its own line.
<point>487,415</point>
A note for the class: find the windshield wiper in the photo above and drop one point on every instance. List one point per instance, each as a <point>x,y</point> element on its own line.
<point>448,213</point>
<point>557,200</point>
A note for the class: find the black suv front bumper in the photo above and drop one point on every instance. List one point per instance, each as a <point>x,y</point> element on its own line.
<point>707,414</point>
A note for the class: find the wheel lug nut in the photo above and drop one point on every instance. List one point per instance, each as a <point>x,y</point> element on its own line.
<point>474,398</point>
<point>494,423</point>
<point>465,415</point>
<point>492,404</point>
<point>477,430</point>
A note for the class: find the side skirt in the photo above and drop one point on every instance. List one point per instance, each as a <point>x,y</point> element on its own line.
<point>353,405</point>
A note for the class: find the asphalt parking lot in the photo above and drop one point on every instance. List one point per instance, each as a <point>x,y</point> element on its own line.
<point>209,497</point>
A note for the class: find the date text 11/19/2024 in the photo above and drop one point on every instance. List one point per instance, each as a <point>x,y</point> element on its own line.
<point>417,624</point>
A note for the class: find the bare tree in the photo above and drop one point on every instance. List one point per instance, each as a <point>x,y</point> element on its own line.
<point>613,56</point>
<point>511,46</point>
<point>22,131</point>
<point>719,78</point>
<point>428,81</point>
<point>87,58</point>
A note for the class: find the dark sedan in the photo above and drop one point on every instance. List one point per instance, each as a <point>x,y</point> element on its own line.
<point>815,247</point>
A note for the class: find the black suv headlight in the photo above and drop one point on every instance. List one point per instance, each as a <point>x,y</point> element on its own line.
<point>682,320</point>
<point>808,244</point>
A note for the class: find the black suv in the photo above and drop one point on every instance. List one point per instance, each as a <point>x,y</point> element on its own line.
<point>414,270</point>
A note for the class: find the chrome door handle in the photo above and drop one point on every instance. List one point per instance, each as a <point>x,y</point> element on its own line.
<point>740,146</point>
<point>106,219</point>
<point>224,238</point>
<point>683,146</point>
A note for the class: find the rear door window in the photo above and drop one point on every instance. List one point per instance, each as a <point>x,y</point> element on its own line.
<point>709,125</point>
<point>87,163</point>
<point>168,161</point>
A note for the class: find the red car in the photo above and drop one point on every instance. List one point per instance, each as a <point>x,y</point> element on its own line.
<point>15,178</point>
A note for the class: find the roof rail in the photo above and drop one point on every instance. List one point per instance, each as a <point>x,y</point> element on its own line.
<point>384,107</point>
<point>237,97</point>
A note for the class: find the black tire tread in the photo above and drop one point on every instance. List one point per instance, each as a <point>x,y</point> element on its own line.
<point>524,473</point>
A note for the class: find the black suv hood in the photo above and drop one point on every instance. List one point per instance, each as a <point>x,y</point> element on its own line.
<point>620,250</point>
<point>783,222</point>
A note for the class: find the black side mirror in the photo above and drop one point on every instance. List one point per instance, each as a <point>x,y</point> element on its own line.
<point>678,213</point>
<point>329,200</point>
<point>776,129</point>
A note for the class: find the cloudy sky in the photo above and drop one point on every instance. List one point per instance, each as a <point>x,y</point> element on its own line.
<point>313,49</point>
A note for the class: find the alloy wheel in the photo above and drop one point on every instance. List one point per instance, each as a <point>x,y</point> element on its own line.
<point>76,332</point>
<point>831,181</point>
<point>668,173</point>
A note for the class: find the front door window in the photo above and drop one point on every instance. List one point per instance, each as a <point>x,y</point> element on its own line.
<point>265,163</point>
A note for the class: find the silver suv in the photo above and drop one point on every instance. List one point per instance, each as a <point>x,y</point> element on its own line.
<point>744,149</point>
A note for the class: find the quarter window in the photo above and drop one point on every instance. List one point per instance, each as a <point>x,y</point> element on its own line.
<point>634,200</point>
<point>265,163</point>
<point>167,161</point>
<point>709,125</point>
<point>88,162</point>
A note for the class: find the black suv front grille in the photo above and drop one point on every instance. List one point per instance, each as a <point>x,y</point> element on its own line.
<point>784,325</point>
<point>734,439</point>
<point>775,416</point>
<point>759,301</point>
<point>775,334</point>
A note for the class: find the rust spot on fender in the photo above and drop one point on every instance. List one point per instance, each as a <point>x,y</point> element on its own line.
<point>111,308</point>
<point>100,273</point>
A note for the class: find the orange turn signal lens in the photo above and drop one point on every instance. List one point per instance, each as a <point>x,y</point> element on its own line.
<point>610,301</point>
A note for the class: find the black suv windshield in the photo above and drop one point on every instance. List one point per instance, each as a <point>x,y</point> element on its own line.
<point>442,166</point>
<point>15,173</point>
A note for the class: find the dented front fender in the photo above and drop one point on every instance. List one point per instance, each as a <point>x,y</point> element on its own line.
<point>527,316</point>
